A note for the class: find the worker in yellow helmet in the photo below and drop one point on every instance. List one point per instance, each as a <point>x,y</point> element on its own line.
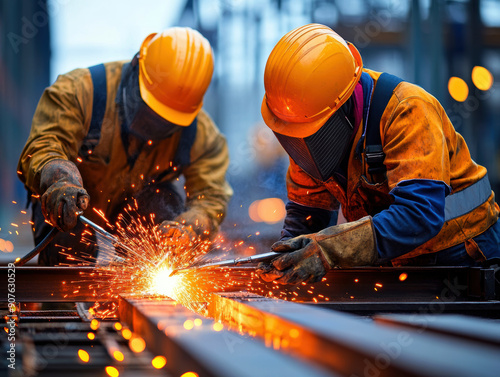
<point>381,149</point>
<point>105,135</point>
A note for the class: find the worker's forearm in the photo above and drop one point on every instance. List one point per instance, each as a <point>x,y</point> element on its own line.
<point>36,154</point>
<point>416,216</point>
<point>56,132</point>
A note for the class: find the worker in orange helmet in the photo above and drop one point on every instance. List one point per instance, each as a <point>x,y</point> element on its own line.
<point>383,150</point>
<point>105,135</point>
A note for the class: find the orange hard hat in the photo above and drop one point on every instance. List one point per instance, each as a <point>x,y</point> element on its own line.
<point>175,69</point>
<point>309,74</point>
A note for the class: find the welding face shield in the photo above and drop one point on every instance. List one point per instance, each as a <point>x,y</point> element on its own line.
<point>138,118</point>
<point>321,153</point>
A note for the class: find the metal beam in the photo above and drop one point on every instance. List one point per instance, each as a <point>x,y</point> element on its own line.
<point>458,326</point>
<point>201,349</point>
<point>46,284</point>
<point>487,309</point>
<point>369,284</point>
<point>51,349</point>
<point>349,345</point>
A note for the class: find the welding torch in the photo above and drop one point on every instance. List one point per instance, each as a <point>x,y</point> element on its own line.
<point>54,231</point>
<point>265,257</point>
<point>114,240</point>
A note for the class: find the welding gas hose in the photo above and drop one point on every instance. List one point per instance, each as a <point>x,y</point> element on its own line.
<point>38,248</point>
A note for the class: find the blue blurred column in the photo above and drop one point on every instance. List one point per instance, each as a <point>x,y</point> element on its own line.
<point>416,41</point>
<point>24,73</point>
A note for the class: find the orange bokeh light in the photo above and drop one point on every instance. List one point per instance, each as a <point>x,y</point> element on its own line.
<point>112,372</point>
<point>269,210</point>
<point>458,89</point>
<point>137,345</point>
<point>189,374</point>
<point>118,356</point>
<point>126,333</point>
<point>94,324</point>
<point>83,355</point>
<point>159,362</point>
<point>482,78</point>
<point>218,326</point>
<point>294,333</point>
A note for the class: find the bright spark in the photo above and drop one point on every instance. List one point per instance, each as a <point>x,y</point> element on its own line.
<point>142,267</point>
<point>165,285</point>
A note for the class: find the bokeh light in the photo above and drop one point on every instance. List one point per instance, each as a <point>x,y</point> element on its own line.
<point>159,362</point>
<point>112,371</point>
<point>458,89</point>
<point>218,326</point>
<point>126,333</point>
<point>482,78</point>
<point>137,344</point>
<point>94,324</point>
<point>6,246</point>
<point>269,210</point>
<point>118,356</point>
<point>83,355</point>
<point>189,374</point>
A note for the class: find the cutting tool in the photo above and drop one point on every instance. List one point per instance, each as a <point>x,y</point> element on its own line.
<point>231,262</point>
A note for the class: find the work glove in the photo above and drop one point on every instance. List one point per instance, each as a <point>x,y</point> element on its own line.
<point>197,220</point>
<point>307,258</point>
<point>181,236</point>
<point>63,195</point>
<point>177,233</point>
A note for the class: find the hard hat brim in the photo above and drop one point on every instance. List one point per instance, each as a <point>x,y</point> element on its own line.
<point>172,115</point>
<point>283,127</point>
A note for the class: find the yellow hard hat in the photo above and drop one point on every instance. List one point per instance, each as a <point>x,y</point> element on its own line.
<point>309,74</point>
<point>175,69</point>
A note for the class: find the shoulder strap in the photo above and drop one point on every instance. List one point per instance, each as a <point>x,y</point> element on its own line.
<point>382,93</point>
<point>98,75</point>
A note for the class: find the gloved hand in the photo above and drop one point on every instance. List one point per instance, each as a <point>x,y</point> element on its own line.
<point>308,257</point>
<point>63,195</point>
<point>198,220</point>
<point>175,232</point>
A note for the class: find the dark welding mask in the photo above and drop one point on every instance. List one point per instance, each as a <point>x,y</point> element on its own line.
<point>138,118</point>
<point>321,153</point>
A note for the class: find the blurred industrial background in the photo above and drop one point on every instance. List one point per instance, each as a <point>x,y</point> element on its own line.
<point>423,41</point>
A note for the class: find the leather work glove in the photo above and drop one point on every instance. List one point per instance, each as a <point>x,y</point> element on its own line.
<point>63,195</point>
<point>176,233</point>
<point>307,258</point>
<point>197,220</point>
